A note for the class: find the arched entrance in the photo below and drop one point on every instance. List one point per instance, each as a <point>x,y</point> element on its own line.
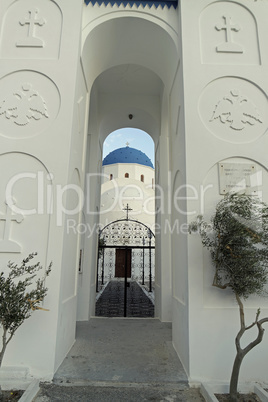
<point>125,270</point>
<point>132,79</point>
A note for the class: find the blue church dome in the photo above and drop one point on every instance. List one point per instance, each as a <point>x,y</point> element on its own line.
<point>127,155</point>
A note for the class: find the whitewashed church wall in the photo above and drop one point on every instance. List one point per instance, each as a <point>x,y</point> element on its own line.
<point>73,204</point>
<point>157,243</point>
<point>134,47</point>
<point>135,171</point>
<point>163,243</point>
<point>218,67</point>
<point>114,108</point>
<point>93,15</point>
<point>178,224</point>
<point>43,64</point>
<point>151,44</point>
<point>86,285</point>
<point>116,194</point>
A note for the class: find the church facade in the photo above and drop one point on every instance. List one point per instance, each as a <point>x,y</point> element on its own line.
<point>193,75</point>
<point>128,179</point>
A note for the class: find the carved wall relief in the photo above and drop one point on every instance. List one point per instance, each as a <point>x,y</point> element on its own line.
<point>228,34</point>
<point>25,202</point>
<point>234,109</point>
<point>23,105</point>
<point>6,244</point>
<point>228,45</point>
<point>31,29</point>
<point>29,102</point>
<point>32,20</point>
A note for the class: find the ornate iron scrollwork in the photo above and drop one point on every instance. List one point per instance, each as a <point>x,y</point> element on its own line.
<point>126,270</point>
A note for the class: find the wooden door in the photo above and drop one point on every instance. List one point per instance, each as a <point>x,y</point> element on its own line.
<point>120,261</point>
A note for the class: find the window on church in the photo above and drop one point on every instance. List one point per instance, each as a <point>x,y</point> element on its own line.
<point>111,176</point>
<point>142,178</point>
<point>152,183</point>
<point>127,175</point>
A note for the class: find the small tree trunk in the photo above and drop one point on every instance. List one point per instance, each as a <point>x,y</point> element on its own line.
<point>235,375</point>
<point>241,353</point>
<point>4,345</point>
<point>2,352</point>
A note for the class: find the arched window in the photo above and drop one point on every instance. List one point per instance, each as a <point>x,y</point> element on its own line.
<point>142,178</point>
<point>111,176</point>
<point>127,175</point>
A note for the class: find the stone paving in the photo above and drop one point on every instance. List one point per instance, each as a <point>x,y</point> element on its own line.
<point>122,350</point>
<point>111,302</point>
<point>121,360</point>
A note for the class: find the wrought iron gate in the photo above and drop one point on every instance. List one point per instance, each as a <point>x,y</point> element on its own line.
<point>126,270</point>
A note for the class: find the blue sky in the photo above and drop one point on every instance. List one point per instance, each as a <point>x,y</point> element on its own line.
<point>136,138</point>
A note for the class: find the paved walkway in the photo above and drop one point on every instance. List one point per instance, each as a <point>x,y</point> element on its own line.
<point>117,359</point>
<point>111,302</point>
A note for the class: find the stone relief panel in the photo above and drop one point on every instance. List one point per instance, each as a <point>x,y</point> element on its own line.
<point>29,103</point>
<point>234,109</point>
<point>25,202</point>
<point>31,30</point>
<point>228,35</point>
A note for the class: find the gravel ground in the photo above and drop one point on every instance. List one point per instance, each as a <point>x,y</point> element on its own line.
<point>241,398</point>
<point>8,396</point>
<point>52,392</point>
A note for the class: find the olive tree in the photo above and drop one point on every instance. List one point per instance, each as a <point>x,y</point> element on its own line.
<point>237,238</point>
<point>19,297</point>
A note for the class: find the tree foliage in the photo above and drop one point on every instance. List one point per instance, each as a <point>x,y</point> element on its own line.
<point>237,238</point>
<point>19,297</point>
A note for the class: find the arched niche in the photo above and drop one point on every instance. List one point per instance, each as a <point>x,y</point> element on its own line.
<point>25,205</point>
<point>126,39</point>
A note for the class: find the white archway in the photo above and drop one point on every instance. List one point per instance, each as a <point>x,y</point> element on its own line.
<point>131,76</point>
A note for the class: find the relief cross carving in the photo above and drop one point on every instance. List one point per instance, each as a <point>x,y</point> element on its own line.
<point>7,245</point>
<point>31,40</point>
<point>228,46</point>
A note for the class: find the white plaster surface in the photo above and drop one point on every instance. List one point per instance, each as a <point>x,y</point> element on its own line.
<point>85,74</point>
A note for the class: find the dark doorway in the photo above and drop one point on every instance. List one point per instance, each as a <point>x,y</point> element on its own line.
<point>120,261</point>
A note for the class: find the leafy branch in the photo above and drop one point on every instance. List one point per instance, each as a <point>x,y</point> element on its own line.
<point>19,297</point>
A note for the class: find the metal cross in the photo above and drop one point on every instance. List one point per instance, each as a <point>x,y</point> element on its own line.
<point>127,209</point>
<point>229,45</point>
<point>127,144</point>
